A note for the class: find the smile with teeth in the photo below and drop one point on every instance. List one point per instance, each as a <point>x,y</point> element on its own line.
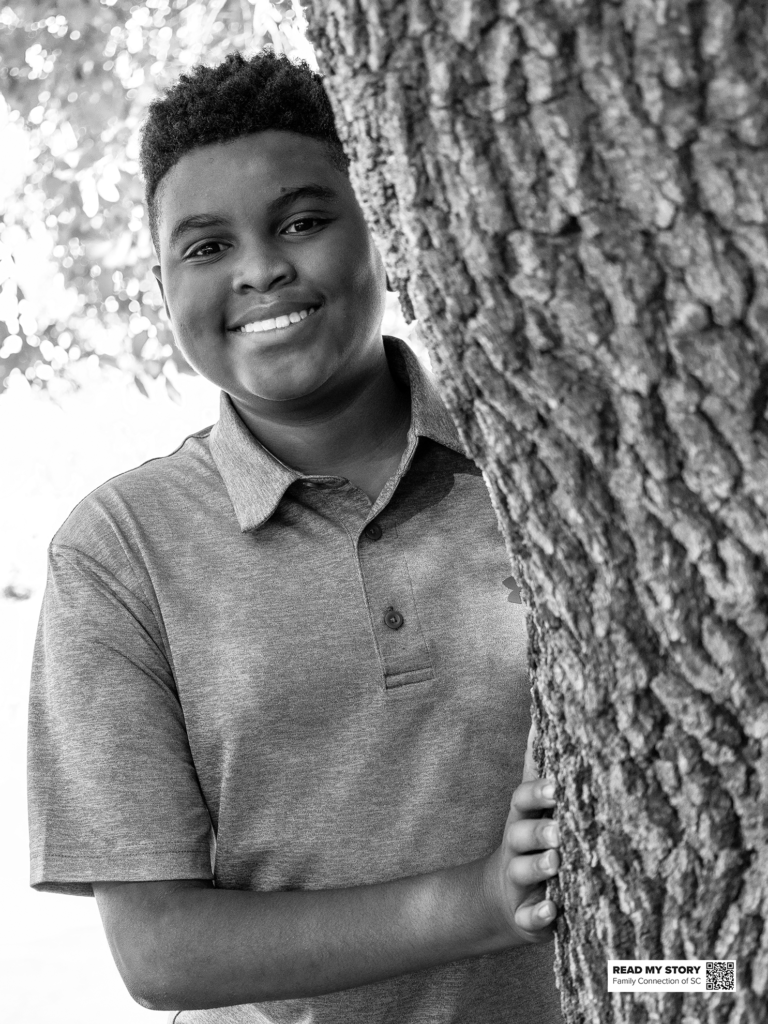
<point>276,324</point>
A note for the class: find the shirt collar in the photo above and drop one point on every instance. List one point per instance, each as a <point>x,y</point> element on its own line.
<point>256,481</point>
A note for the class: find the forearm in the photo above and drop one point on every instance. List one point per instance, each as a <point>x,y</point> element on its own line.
<point>200,947</point>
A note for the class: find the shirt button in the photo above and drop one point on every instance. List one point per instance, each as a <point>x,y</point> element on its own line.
<point>393,619</point>
<point>372,531</point>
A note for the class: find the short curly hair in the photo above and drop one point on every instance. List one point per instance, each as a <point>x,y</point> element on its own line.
<point>238,97</point>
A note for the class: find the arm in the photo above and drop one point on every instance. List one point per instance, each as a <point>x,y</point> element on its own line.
<point>187,945</point>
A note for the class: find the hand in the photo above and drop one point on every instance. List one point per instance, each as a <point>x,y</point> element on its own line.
<point>526,859</point>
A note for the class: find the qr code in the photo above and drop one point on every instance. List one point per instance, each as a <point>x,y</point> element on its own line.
<point>720,975</point>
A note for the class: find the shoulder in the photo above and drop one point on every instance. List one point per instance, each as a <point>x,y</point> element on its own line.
<point>156,493</point>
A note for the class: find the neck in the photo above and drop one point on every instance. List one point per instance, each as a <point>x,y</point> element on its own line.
<point>359,433</point>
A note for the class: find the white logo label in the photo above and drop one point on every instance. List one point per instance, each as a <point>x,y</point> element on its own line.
<point>671,975</point>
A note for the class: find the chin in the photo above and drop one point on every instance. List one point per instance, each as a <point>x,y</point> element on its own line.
<point>280,390</point>
<point>291,383</point>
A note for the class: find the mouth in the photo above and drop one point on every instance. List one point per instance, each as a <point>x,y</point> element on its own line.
<point>278,323</point>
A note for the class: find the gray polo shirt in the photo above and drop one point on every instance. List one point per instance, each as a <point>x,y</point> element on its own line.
<point>249,674</point>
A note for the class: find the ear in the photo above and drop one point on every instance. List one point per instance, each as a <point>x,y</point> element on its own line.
<point>159,276</point>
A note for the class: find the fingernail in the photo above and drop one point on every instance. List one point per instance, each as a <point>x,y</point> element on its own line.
<point>544,911</point>
<point>548,791</point>
<point>552,834</point>
<point>547,862</point>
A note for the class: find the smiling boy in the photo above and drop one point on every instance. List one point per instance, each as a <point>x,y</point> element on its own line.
<point>280,699</point>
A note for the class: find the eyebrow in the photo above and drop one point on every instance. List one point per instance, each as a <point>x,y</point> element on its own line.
<point>288,197</point>
<point>292,195</point>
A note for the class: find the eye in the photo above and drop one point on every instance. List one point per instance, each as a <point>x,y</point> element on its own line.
<point>206,249</point>
<point>304,225</point>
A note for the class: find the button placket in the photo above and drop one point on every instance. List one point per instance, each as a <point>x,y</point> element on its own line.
<point>404,653</point>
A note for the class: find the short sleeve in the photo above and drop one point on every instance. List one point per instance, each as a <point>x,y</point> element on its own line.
<point>113,792</point>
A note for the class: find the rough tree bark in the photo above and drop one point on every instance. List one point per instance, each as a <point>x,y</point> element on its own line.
<point>571,197</point>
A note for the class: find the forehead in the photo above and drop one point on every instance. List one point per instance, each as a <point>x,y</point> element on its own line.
<point>253,169</point>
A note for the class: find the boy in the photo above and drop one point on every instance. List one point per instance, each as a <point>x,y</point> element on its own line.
<point>280,698</point>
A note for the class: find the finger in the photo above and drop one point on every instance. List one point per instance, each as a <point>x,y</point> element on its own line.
<point>537,795</point>
<point>533,868</point>
<point>536,918</point>
<point>530,834</point>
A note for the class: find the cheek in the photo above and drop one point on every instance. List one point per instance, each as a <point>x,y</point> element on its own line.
<point>195,308</point>
<point>357,265</point>
<point>369,281</point>
<point>363,267</point>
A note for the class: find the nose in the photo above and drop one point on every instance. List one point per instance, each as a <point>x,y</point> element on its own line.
<point>261,267</point>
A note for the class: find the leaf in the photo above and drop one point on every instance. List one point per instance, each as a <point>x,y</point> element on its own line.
<point>173,392</point>
<point>514,591</point>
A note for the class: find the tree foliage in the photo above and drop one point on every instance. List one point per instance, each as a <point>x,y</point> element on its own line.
<point>76,287</point>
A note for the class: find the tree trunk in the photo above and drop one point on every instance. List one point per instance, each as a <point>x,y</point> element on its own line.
<point>571,197</point>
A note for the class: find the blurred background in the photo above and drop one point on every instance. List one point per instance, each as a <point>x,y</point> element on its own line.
<point>90,381</point>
